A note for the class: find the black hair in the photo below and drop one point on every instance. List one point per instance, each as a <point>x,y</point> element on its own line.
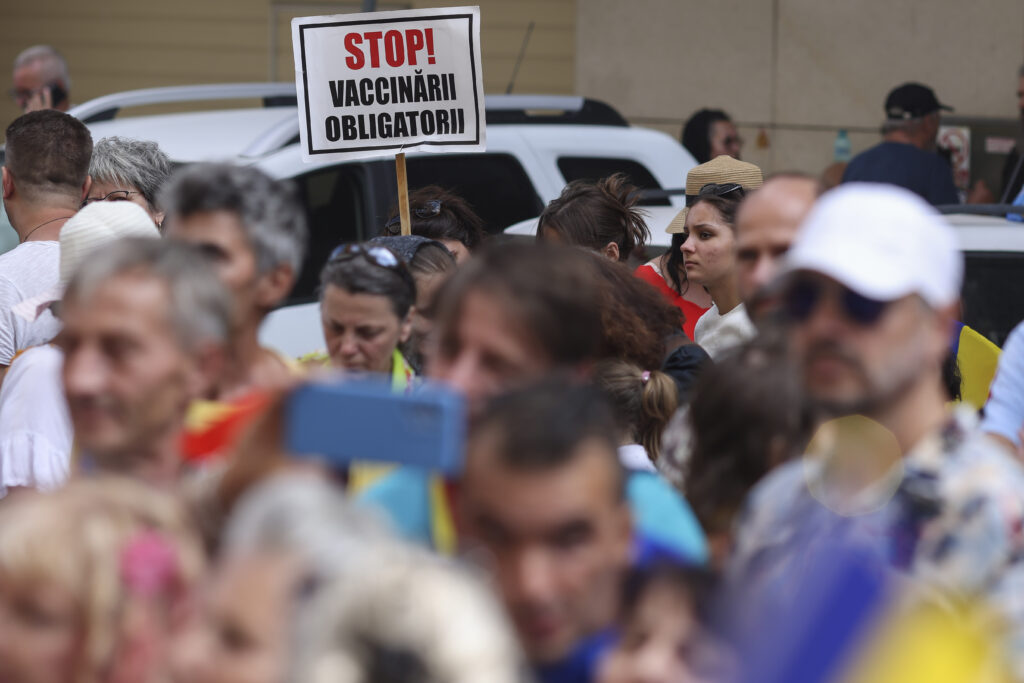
<point>696,583</point>
<point>549,291</point>
<point>541,426</point>
<point>696,135</point>
<point>359,273</point>
<point>454,218</point>
<point>726,207</point>
<point>48,151</point>
<point>592,215</point>
<point>951,378</point>
<point>423,256</point>
<point>746,415</point>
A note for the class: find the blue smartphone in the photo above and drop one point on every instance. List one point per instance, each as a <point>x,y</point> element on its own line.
<point>344,420</point>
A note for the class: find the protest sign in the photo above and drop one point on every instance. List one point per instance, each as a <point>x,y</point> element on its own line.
<point>383,83</point>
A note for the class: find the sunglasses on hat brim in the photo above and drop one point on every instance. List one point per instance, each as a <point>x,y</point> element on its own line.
<point>716,190</point>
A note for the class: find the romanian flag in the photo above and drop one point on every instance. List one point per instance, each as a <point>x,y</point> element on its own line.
<point>212,427</point>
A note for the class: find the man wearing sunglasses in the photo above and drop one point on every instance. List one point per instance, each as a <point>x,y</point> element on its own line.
<point>870,290</point>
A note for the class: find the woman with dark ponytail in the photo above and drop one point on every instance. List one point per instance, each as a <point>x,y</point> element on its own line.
<point>644,402</point>
<point>602,216</point>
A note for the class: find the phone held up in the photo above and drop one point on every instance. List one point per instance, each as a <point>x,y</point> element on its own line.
<point>344,420</point>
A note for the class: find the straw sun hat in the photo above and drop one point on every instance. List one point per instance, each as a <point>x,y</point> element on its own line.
<point>720,170</point>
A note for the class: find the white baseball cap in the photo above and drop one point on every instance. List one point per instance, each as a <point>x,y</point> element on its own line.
<point>881,241</point>
<point>97,224</point>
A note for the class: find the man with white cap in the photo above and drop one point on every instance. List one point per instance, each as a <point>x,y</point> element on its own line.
<point>870,290</point>
<point>35,429</point>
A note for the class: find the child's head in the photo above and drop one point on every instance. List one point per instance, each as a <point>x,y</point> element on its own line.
<point>664,634</point>
<point>94,578</point>
<point>644,401</point>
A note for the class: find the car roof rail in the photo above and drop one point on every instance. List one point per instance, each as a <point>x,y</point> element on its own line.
<point>535,109</point>
<point>107,107</point>
<point>282,133</point>
<point>980,209</point>
<point>548,109</point>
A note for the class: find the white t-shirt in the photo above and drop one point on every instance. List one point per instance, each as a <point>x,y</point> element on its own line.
<point>634,458</point>
<point>717,333</point>
<point>30,269</point>
<point>1004,411</point>
<point>35,428</point>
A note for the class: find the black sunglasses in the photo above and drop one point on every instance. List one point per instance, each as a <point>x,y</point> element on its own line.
<point>429,209</point>
<point>716,190</point>
<point>803,296</point>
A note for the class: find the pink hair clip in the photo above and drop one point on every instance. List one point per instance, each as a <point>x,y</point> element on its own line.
<point>149,564</point>
<point>645,376</point>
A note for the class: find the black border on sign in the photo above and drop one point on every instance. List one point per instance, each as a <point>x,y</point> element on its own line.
<point>305,84</point>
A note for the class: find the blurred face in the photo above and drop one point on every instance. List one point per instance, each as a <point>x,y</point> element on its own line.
<point>40,633</point>
<point>222,237</point>
<point>766,226</point>
<point>240,639</point>
<point>1020,96</point>
<point>361,330</point>
<point>127,380</point>
<point>725,139</point>
<point>851,366</point>
<point>557,539</point>
<point>661,643</point>
<point>29,80</point>
<point>119,192</point>
<point>458,249</point>
<point>422,320</point>
<point>709,246</point>
<point>488,351</point>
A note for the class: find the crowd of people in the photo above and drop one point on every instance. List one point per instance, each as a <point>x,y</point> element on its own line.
<point>659,459</point>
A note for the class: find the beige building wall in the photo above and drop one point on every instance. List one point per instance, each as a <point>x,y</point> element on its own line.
<point>797,69</point>
<point>118,45</point>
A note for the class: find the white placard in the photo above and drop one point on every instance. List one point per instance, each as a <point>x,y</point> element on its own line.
<point>381,83</point>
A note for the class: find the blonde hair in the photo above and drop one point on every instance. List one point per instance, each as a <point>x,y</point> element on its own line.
<point>644,401</point>
<point>78,537</point>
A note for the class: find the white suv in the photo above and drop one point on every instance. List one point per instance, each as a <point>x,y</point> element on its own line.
<point>535,145</point>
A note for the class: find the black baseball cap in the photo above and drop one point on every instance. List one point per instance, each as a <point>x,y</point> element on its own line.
<point>912,101</point>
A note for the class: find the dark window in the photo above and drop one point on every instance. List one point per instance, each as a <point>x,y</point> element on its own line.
<point>495,185</point>
<point>993,294</point>
<point>335,213</point>
<point>595,168</point>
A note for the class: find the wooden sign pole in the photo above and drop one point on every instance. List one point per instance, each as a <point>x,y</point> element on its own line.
<point>403,194</point>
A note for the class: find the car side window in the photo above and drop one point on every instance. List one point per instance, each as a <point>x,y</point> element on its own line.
<point>495,185</point>
<point>595,168</point>
<point>335,204</point>
<point>986,273</point>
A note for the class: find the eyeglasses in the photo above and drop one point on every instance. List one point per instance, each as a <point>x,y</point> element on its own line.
<point>379,256</point>
<point>717,190</point>
<point>20,96</point>
<point>429,209</point>
<point>115,196</point>
<point>802,297</point>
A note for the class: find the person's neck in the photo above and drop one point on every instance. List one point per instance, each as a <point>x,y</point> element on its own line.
<point>725,294</point>
<point>915,414</point>
<point>249,366</point>
<point>159,462</point>
<point>905,138</point>
<point>40,224</point>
